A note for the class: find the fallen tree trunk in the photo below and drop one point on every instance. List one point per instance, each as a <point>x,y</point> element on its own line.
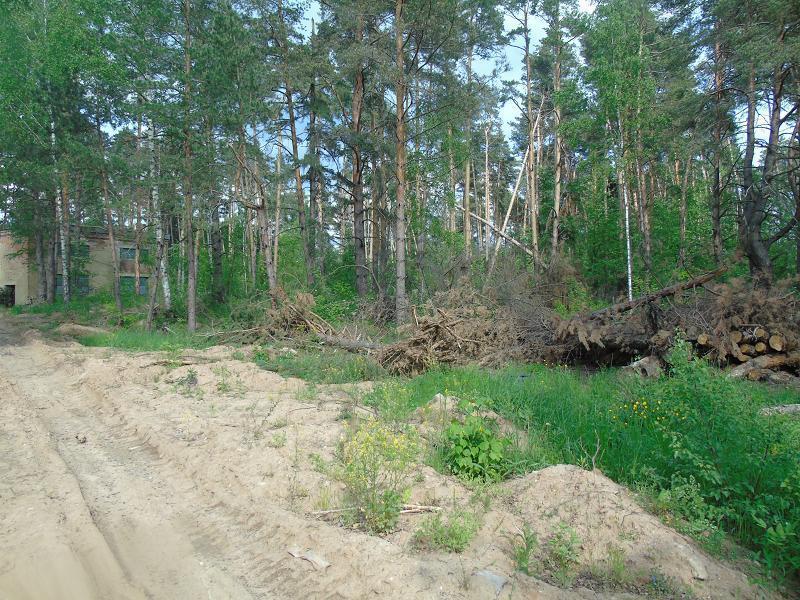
<point>662,293</point>
<point>502,234</point>
<point>766,361</point>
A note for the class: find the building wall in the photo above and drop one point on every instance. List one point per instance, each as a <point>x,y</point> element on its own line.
<point>16,269</point>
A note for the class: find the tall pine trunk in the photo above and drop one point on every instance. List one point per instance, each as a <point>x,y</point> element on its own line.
<point>401,300</point>
<point>191,255</point>
<point>358,168</point>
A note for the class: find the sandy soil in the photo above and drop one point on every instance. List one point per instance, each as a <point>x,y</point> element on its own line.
<point>194,476</point>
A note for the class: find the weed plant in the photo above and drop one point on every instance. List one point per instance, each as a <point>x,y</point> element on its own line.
<point>694,440</point>
<point>452,534</point>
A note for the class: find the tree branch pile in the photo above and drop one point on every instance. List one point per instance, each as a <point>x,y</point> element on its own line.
<point>756,330</point>
<point>462,327</point>
<point>279,318</point>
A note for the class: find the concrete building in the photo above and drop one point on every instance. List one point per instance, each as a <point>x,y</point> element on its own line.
<point>92,267</point>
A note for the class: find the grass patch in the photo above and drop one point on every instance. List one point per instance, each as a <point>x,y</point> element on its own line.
<point>452,534</point>
<point>320,365</point>
<point>87,310</point>
<point>694,440</point>
<point>143,341</point>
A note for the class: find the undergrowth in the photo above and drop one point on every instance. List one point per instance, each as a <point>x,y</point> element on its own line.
<point>693,440</point>
<point>320,365</point>
<point>139,340</point>
<point>453,533</point>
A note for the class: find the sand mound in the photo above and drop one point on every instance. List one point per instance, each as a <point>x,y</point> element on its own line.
<point>606,517</point>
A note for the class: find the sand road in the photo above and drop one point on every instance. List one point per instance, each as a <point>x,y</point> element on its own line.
<point>196,475</point>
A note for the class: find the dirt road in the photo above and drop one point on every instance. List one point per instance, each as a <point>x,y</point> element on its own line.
<point>195,476</point>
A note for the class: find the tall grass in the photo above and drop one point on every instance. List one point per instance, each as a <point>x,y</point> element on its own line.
<point>321,365</point>
<point>695,439</point>
<point>143,341</point>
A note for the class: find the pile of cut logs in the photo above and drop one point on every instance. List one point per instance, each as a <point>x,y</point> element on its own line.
<point>750,341</point>
<point>765,355</point>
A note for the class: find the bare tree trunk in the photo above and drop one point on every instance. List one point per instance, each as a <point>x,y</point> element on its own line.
<point>217,284</point>
<point>754,208</point>
<point>191,288</point>
<point>278,203</point>
<point>451,211</point>
<point>263,227</point>
<point>467,174</point>
<point>557,144</point>
<point>719,126</point>
<point>301,197</point>
<point>137,201</point>
<point>687,169</point>
<point>533,192</point>
<point>160,269</point>
<point>153,290</point>
<point>401,300</point>
<point>622,189</point>
<point>62,216</point>
<point>51,256</point>
<point>39,235</point>
<point>486,186</point>
<point>314,228</point>
<point>358,169</point>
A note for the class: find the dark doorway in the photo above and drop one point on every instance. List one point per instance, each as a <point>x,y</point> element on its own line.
<point>7,294</point>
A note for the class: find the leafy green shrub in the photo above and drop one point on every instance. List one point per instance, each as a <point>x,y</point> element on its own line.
<point>731,458</point>
<point>453,534</point>
<point>561,555</point>
<point>474,450</point>
<point>682,505</point>
<point>375,462</point>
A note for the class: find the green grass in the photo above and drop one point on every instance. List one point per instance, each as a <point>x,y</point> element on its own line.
<point>94,309</point>
<point>138,340</point>
<point>452,534</point>
<point>320,365</point>
<point>694,439</point>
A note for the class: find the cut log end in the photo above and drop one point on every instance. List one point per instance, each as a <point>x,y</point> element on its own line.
<point>777,342</point>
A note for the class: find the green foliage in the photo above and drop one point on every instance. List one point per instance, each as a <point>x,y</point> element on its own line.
<point>143,341</point>
<point>452,534</point>
<point>524,546</point>
<point>694,439</point>
<point>474,450</point>
<point>393,400</point>
<point>561,554</point>
<point>321,365</point>
<point>374,463</point>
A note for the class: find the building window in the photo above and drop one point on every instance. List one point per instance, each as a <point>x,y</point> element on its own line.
<point>83,285</point>
<point>126,253</point>
<point>80,286</point>
<point>127,285</point>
